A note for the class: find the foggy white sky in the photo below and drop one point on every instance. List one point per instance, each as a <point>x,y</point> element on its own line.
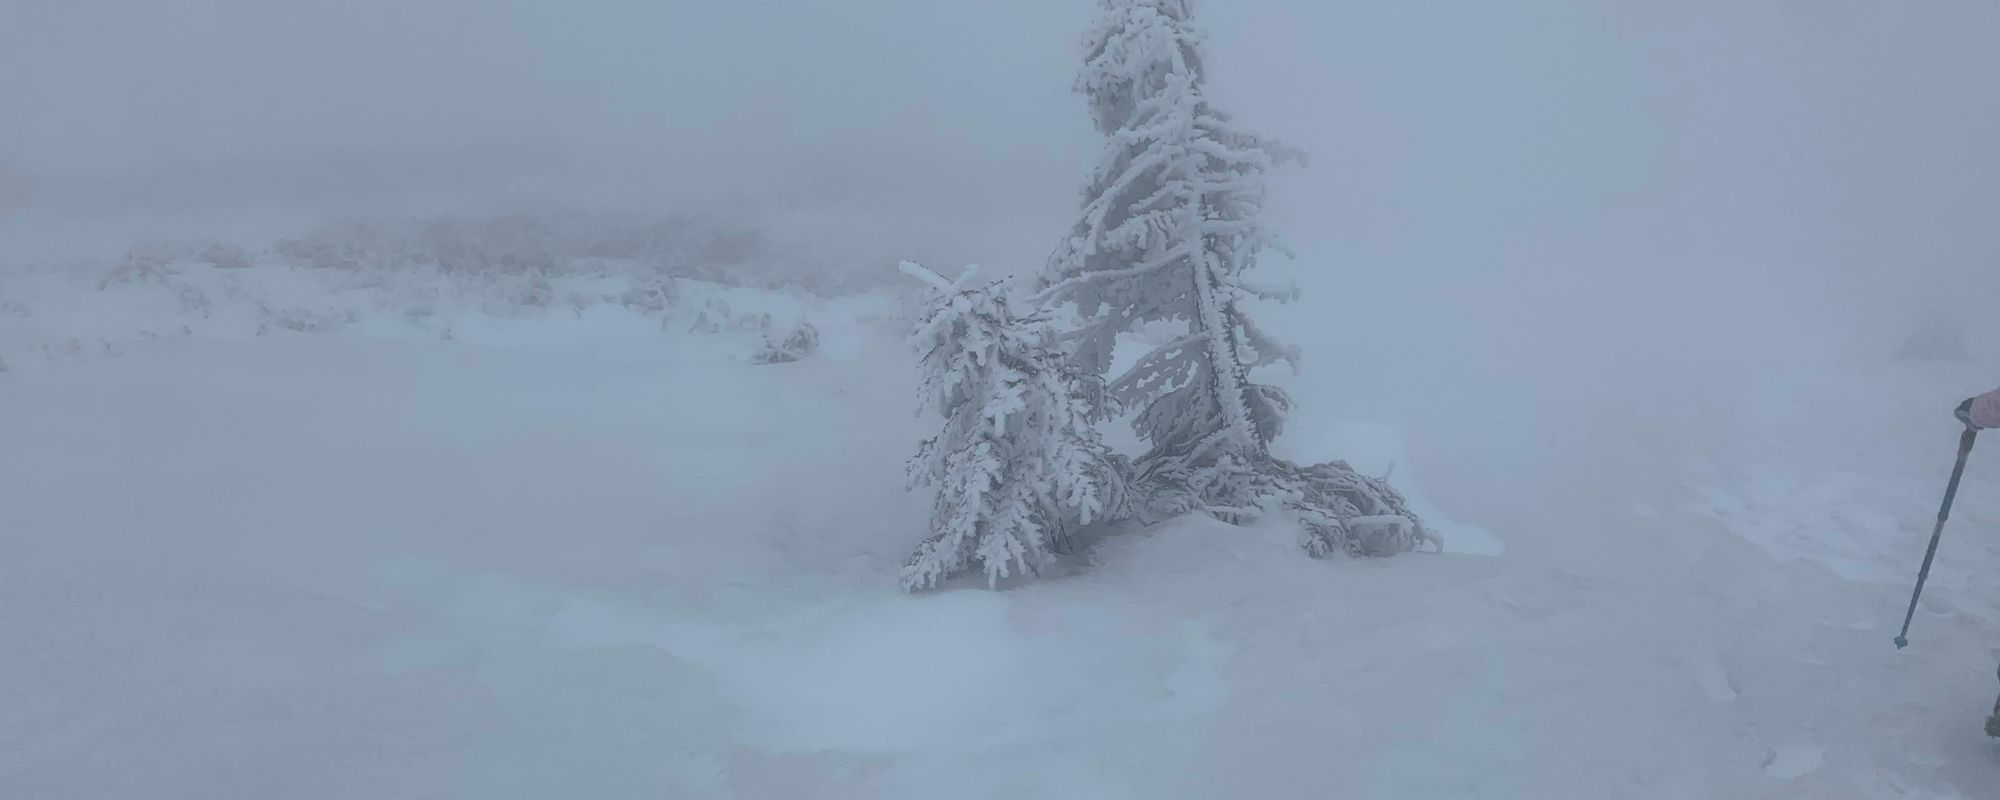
<point>1507,150</point>
<point>882,106</point>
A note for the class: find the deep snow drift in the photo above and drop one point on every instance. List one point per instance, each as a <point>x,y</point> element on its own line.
<point>310,534</point>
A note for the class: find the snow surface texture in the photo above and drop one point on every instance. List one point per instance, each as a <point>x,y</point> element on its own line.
<point>435,540</point>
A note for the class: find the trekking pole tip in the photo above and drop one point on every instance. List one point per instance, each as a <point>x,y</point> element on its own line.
<point>1902,642</point>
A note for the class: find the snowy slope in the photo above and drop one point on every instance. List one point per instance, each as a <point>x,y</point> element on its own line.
<point>573,554</point>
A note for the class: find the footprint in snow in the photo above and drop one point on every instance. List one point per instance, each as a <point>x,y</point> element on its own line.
<point>1794,760</point>
<point>1713,677</point>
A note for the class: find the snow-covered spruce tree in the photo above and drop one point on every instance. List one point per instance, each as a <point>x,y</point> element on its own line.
<point>799,342</point>
<point>1170,224</point>
<point>1018,463</point>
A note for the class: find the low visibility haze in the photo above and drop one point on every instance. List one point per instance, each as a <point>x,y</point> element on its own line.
<point>1571,209</point>
<point>1616,145</point>
<point>339,453</point>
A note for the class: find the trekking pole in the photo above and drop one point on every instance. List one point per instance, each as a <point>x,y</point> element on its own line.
<point>1950,491</point>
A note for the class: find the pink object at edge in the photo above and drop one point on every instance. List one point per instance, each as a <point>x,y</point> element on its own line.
<point>1986,410</point>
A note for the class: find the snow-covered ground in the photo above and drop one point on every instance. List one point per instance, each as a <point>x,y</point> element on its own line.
<point>309,534</point>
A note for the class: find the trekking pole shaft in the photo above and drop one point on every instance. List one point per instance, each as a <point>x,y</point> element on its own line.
<point>1944,512</point>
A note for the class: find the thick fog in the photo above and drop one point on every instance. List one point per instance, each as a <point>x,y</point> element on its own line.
<point>1652,185</point>
<point>918,120</point>
<point>474,499</point>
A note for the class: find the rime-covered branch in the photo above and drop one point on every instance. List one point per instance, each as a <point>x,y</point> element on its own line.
<point>1169,225</point>
<point>1017,463</point>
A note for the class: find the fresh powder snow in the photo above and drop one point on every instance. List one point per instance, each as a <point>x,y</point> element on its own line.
<point>590,553</point>
<point>418,399</point>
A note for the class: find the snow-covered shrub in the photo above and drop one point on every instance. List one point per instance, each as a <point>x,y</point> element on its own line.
<point>321,251</point>
<point>717,316</point>
<point>712,317</point>
<point>222,255</point>
<point>142,263</point>
<point>304,320</point>
<point>800,342</point>
<point>536,292</point>
<point>1170,225</point>
<point>555,244</point>
<point>1018,463</point>
<point>562,245</point>
<point>160,265</point>
<point>192,299</point>
<point>652,294</point>
<point>426,272</point>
